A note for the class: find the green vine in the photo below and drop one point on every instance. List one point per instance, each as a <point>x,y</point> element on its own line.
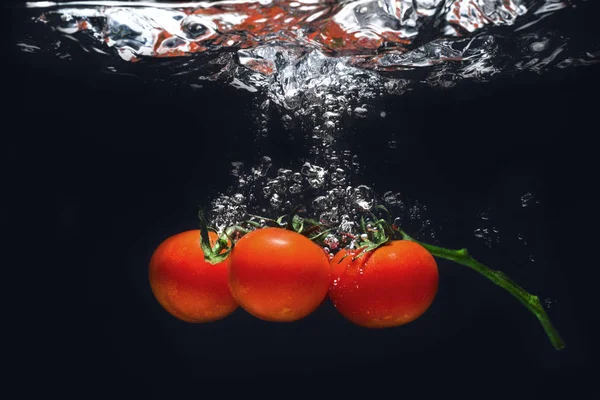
<point>531,302</point>
<point>376,232</point>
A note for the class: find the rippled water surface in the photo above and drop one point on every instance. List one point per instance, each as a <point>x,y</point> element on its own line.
<point>302,52</point>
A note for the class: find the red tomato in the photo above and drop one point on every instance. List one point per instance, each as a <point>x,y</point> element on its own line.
<point>188,287</point>
<point>391,286</point>
<point>278,275</point>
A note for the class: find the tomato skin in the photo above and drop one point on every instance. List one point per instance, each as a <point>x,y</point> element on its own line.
<point>391,286</point>
<point>187,286</point>
<point>278,275</point>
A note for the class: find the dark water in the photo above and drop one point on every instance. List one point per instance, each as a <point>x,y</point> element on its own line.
<point>105,167</point>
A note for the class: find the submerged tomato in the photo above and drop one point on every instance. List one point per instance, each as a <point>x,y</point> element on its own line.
<point>278,275</point>
<point>188,287</point>
<point>391,286</point>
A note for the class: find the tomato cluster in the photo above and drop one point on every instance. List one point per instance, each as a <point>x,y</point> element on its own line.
<point>280,275</point>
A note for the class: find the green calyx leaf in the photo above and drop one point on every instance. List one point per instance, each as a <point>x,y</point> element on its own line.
<point>222,248</point>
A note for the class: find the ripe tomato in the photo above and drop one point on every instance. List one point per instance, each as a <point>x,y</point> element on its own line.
<point>188,287</point>
<point>391,286</point>
<point>278,275</point>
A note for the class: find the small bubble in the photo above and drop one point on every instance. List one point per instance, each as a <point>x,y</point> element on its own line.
<point>295,188</point>
<point>383,114</point>
<point>262,222</point>
<point>360,111</point>
<point>276,201</point>
<point>321,203</point>
<point>392,144</point>
<point>479,233</point>
<point>484,216</point>
<point>338,177</point>
<point>520,236</point>
<point>539,46</point>
<point>331,241</point>
<point>531,258</point>
<point>525,199</point>
<point>238,198</point>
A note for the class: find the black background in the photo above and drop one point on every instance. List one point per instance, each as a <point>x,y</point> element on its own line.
<point>101,168</point>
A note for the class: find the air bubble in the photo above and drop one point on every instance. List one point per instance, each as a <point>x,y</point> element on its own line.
<point>276,201</point>
<point>331,241</point>
<point>525,199</point>
<point>295,189</point>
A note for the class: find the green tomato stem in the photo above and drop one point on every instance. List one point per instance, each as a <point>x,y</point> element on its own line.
<point>221,249</point>
<point>530,301</point>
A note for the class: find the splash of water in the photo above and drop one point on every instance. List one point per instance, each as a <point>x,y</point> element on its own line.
<point>305,52</point>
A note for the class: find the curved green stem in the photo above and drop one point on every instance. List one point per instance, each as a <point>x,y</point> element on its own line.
<point>530,301</point>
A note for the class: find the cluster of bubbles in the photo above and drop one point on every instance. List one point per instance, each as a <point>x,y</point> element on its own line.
<point>262,193</point>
